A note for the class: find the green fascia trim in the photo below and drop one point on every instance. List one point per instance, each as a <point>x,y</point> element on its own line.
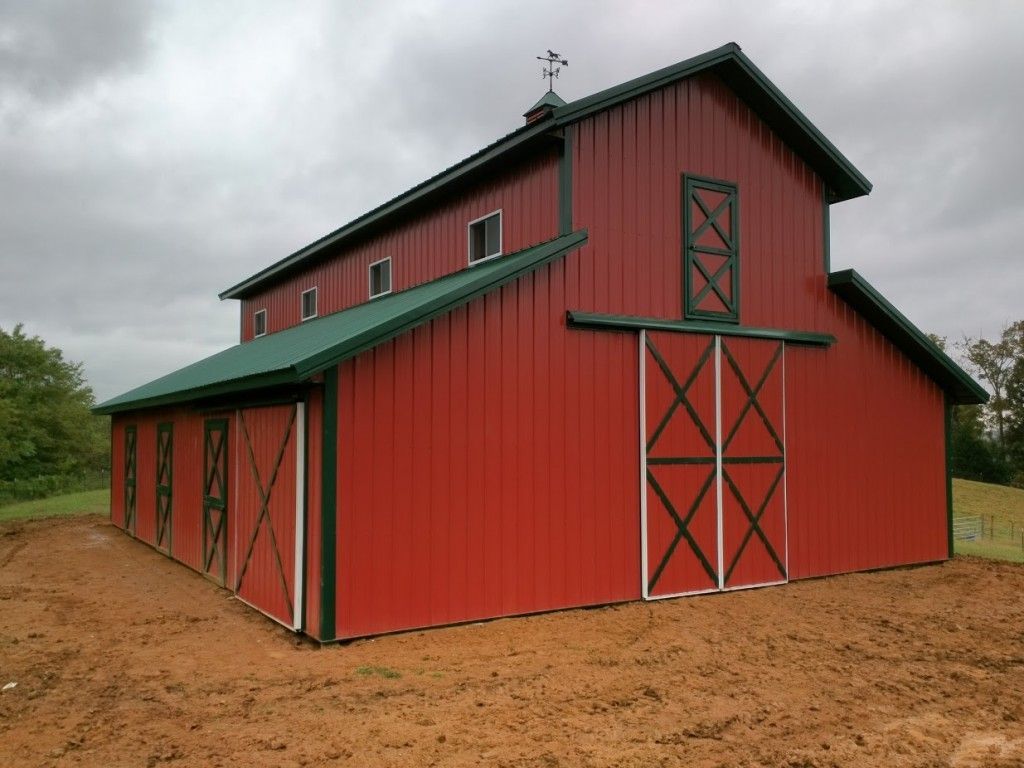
<point>907,337</point>
<point>329,507</point>
<point>629,323</point>
<point>739,72</point>
<point>293,355</point>
<point>475,162</point>
<point>728,62</point>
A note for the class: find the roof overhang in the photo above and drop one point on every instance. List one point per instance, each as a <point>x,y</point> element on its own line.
<point>961,388</point>
<point>727,62</point>
<point>295,355</point>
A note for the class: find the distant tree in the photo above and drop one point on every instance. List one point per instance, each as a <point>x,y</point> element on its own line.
<point>994,362</point>
<point>46,428</point>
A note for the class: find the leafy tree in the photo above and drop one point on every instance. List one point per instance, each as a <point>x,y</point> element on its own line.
<point>973,456</point>
<point>46,428</point>
<point>994,362</point>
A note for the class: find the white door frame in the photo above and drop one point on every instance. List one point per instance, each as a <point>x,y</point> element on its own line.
<point>719,493</point>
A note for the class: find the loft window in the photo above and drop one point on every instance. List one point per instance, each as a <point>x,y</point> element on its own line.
<point>380,278</point>
<point>309,304</point>
<point>259,323</point>
<point>711,249</point>
<point>485,237</point>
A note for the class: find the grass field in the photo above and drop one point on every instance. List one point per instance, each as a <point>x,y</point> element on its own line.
<point>1005,505</point>
<point>82,503</point>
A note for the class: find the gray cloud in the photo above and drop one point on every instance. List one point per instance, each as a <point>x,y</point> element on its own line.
<point>153,154</point>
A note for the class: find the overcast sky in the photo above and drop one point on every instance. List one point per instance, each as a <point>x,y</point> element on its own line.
<point>152,154</point>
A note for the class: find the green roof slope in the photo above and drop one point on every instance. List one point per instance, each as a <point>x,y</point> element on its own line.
<point>914,343</point>
<point>297,353</point>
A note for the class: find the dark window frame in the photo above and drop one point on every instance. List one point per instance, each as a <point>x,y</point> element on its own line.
<point>690,187</point>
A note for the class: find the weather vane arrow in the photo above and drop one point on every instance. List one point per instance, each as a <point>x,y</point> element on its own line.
<point>552,69</point>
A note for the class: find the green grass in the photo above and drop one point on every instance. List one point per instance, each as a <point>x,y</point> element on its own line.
<point>997,503</point>
<point>82,503</point>
<point>385,672</point>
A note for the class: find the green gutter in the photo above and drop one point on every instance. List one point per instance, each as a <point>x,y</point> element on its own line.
<point>629,323</point>
<point>261,381</point>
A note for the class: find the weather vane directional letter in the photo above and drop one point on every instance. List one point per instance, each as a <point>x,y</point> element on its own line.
<point>551,70</point>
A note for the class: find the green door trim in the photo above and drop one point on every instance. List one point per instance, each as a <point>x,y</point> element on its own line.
<point>164,486</point>
<point>215,505</point>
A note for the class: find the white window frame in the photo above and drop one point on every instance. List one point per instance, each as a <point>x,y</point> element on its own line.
<point>257,313</point>
<point>391,277</point>
<point>316,303</point>
<point>501,238</point>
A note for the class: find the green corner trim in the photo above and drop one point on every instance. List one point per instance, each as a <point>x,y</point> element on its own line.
<point>295,354</point>
<point>565,184</point>
<point>949,474</point>
<point>891,323</point>
<point>826,229</point>
<point>628,323</point>
<point>329,507</point>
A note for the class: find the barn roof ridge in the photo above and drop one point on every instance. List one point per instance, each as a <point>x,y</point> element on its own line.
<point>297,353</point>
<point>727,61</point>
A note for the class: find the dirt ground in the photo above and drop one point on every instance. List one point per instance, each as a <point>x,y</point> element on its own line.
<point>122,657</point>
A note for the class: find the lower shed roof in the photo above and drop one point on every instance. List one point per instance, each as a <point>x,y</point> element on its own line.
<point>295,354</point>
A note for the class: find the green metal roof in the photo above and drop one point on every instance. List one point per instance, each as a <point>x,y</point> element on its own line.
<point>727,62</point>
<point>892,324</point>
<point>549,99</point>
<point>295,354</point>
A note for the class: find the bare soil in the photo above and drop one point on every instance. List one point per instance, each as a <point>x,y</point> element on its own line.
<point>122,657</point>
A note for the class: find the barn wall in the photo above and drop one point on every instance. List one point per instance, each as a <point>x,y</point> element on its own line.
<point>866,481</point>
<point>423,246</point>
<point>488,464</point>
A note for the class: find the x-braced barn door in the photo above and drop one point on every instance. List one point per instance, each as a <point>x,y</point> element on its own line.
<point>129,478</point>
<point>215,499</point>
<point>164,485</point>
<point>713,463</point>
<point>268,509</point>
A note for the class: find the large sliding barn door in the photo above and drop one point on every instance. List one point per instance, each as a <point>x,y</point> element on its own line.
<point>268,510</point>
<point>713,463</point>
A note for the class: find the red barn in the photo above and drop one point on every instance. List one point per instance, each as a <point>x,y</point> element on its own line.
<point>602,359</point>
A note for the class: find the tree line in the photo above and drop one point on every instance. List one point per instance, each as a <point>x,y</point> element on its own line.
<point>987,441</point>
<point>49,440</point>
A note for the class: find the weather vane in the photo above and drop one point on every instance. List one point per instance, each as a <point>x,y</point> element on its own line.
<point>551,70</point>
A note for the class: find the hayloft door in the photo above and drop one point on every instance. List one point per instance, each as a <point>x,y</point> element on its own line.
<point>713,463</point>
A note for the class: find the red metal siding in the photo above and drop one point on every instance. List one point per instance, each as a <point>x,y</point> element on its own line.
<point>187,514</point>
<point>488,465</point>
<point>145,473</point>
<point>425,246</point>
<point>866,468</point>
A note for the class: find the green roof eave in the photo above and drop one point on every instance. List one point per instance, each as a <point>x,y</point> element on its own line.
<point>891,323</point>
<point>475,162</point>
<point>740,73</point>
<point>728,62</point>
<point>295,354</point>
